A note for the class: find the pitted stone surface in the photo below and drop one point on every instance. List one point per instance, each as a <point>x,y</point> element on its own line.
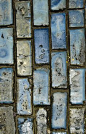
<point>41,120</point>
<point>77,86</point>
<point>6,85</point>
<point>41,89</point>
<point>77,46</point>
<point>59,74</point>
<point>24,106</point>
<point>25,126</point>
<point>6,12</point>
<point>59,108</point>
<point>6,46</point>
<point>76,3</point>
<point>7,125</point>
<point>23,19</point>
<point>24,58</point>
<point>77,121</point>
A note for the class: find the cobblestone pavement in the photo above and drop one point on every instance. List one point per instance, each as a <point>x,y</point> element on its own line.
<point>42,67</point>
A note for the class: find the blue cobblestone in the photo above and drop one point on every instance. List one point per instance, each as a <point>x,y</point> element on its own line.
<point>76,3</point>
<point>58,4</point>
<point>41,38</point>
<point>58,30</point>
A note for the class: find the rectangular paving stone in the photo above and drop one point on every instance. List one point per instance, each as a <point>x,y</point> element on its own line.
<point>58,4</point>
<point>6,85</point>
<point>23,19</point>
<point>41,121</point>
<point>76,3</point>
<point>6,12</point>
<point>77,121</point>
<point>40,12</point>
<point>41,89</point>
<point>59,70</point>
<point>77,46</point>
<point>59,108</point>
<point>24,106</point>
<point>7,124</point>
<point>58,132</point>
<point>25,126</point>
<point>77,86</point>
<point>76,18</point>
<point>6,46</point>
<point>41,39</point>
<point>58,30</point>
<point>24,58</point>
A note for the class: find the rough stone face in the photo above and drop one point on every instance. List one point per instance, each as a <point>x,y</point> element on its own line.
<point>25,125</point>
<point>7,125</point>
<point>77,121</point>
<point>6,85</point>
<point>24,58</point>
<point>6,46</point>
<point>6,12</point>
<point>58,30</point>
<point>41,39</point>
<point>76,18</point>
<point>40,12</point>
<point>41,89</point>
<point>59,108</point>
<point>76,3</point>
<point>59,74</point>
<point>77,86</point>
<point>77,46</point>
<point>23,19</point>
<point>41,121</point>
<point>24,106</point>
<point>58,4</point>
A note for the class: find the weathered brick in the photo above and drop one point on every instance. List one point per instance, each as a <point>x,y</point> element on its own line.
<point>23,19</point>
<point>58,30</point>
<point>76,18</point>
<point>77,46</point>
<point>58,4</point>
<point>6,12</point>
<point>41,89</point>
<point>41,38</point>
<point>59,108</point>
<point>40,12</point>
<point>41,121</point>
<point>25,126</point>
<point>58,67</point>
<point>24,58</point>
<point>7,125</point>
<point>24,106</point>
<point>76,3</point>
<point>6,46</point>
<point>6,85</point>
<point>77,86</point>
<point>77,121</point>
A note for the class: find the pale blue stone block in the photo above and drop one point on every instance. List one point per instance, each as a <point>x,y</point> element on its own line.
<point>59,70</point>
<point>77,46</point>
<point>58,4</point>
<point>76,18</point>
<point>6,85</point>
<point>6,46</point>
<point>77,86</point>
<point>59,133</point>
<point>59,109</point>
<point>41,39</point>
<point>25,125</point>
<point>6,12</point>
<point>76,3</point>
<point>40,12</point>
<point>41,89</point>
<point>24,106</point>
<point>77,120</point>
<point>58,30</point>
